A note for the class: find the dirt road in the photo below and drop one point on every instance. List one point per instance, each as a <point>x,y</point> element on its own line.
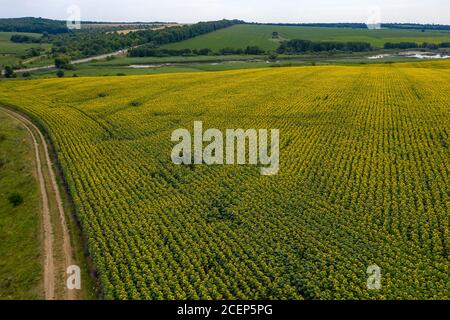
<point>54,288</point>
<point>84,60</point>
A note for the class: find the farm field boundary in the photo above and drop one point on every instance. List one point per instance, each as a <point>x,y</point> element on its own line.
<point>57,226</point>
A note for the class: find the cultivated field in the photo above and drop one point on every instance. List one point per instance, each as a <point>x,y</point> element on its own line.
<point>9,47</point>
<point>241,36</point>
<point>11,52</point>
<point>362,181</point>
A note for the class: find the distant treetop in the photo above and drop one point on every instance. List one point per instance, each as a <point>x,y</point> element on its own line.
<point>29,24</point>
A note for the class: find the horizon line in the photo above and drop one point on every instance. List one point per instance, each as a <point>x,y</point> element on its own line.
<point>249,22</point>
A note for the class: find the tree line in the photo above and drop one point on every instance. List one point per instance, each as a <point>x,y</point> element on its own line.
<point>19,38</point>
<point>41,25</point>
<point>320,25</point>
<point>152,51</point>
<point>89,43</point>
<point>286,47</point>
<point>301,46</point>
<point>37,25</point>
<point>415,26</point>
<point>350,25</point>
<point>414,45</point>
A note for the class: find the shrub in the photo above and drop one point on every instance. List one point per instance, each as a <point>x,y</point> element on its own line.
<point>9,72</point>
<point>62,62</point>
<point>15,199</point>
<point>254,50</point>
<point>272,56</point>
<point>135,103</point>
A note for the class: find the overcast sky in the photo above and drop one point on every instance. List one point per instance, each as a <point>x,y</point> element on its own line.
<point>423,11</point>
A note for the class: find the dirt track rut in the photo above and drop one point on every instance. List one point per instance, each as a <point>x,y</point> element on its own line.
<point>46,177</point>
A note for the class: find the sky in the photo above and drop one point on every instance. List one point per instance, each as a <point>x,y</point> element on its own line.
<point>188,11</point>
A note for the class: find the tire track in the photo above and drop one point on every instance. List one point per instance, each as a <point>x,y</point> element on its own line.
<point>49,250</point>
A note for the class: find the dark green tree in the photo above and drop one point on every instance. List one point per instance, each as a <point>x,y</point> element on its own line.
<point>9,72</point>
<point>15,199</point>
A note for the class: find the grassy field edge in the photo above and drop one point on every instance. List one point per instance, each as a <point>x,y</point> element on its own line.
<point>91,287</point>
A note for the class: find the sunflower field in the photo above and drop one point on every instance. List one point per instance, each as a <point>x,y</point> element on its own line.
<point>363,180</point>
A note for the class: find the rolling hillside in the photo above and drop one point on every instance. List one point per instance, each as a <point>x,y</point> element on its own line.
<point>241,36</point>
<point>11,52</point>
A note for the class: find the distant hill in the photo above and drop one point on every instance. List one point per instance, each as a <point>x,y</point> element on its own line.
<point>30,24</point>
<point>40,25</point>
<point>322,25</point>
<point>269,36</point>
<point>364,26</point>
<point>415,26</point>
